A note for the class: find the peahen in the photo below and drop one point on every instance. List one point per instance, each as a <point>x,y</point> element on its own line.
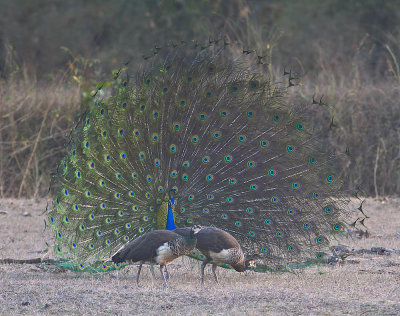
<point>198,135</point>
<point>219,247</point>
<point>158,246</point>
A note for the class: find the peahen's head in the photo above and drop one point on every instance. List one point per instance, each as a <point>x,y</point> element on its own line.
<point>243,265</point>
<point>250,264</point>
<point>195,230</point>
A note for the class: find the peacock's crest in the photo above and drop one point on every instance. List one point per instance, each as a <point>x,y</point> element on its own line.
<point>211,127</point>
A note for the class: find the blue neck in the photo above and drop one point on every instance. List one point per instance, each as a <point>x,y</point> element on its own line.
<point>170,218</point>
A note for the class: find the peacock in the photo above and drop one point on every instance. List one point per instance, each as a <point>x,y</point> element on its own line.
<point>219,247</point>
<point>198,135</point>
<point>158,246</point>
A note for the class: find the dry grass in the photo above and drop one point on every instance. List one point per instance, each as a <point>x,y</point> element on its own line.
<point>34,123</point>
<point>368,286</point>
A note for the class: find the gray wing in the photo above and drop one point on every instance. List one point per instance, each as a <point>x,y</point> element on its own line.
<point>144,247</point>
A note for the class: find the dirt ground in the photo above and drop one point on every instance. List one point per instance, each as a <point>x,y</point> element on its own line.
<point>366,283</point>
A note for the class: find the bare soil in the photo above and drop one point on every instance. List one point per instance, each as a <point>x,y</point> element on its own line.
<point>366,283</point>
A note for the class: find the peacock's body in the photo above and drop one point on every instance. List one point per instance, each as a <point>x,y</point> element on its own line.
<point>209,126</point>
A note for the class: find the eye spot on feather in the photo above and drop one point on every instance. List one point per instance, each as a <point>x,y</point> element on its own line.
<point>195,139</point>
<point>336,227</point>
<point>232,181</point>
<point>205,159</point>
<point>174,174</point>
<point>155,137</point>
<point>272,172</point>
<point>328,210</point>
<point>216,135</point>
<point>172,149</point>
<point>176,127</point>
<point>290,148</point>
<point>209,177</point>
<point>299,127</point>
<point>264,143</point>
<point>186,164</point>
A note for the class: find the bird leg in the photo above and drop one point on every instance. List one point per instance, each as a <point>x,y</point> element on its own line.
<point>138,273</point>
<point>163,277</point>
<point>203,265</point>
<point>152,271</point>
<point>166,273</point>
<point>214,268</point>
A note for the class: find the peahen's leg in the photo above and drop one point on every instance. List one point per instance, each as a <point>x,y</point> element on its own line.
<point>203,265</point>
<point>152,271</point>
<point>163,276</point>
<point>166,273</point>
<point>214,268</point>
<point>138,273</point>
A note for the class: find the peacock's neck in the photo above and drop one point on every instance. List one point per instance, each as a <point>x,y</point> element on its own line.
<point>170,220</point>
<point>165,217</point>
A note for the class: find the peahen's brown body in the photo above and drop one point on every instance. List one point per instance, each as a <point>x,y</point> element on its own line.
<point>219,247</point>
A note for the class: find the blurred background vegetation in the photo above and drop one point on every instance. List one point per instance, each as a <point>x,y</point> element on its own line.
<point>53,53</point>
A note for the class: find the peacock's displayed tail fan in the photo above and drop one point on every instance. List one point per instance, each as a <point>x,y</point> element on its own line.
<point>211,126</point>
